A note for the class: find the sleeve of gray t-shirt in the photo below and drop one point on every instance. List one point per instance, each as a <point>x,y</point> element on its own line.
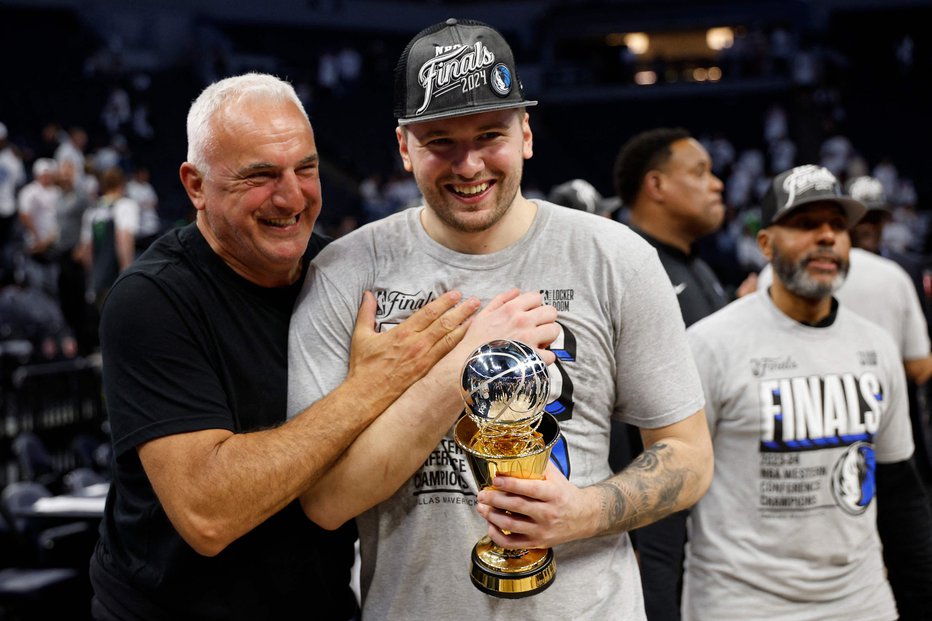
<point>318,343</point>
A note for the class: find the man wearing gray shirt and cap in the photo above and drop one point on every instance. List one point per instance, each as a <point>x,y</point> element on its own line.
<point>815,502</point>
<point>464,133</point>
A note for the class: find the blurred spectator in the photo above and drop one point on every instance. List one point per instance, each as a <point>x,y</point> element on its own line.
<point>71,149</point>
<point>141,125</point>
<point>29,314</point>
<point>349,62</point>
<point>905,55</point>
<point>747,251</point>
<point>775,124</point>
<point>72,277</point>
<point>375,205</point>
<point>49,139</point>
<point>402,191</point>
<point>12,177</point>
<point>140,190</point>
<point>38,213</point>
<point>722,152</point>
<point>868,231</point>
<point>328,73</point>
<point>782,152</point>
<point>836,153</point>
<point>108,234</point>
<point>117,111</point>
<point>112,155</point>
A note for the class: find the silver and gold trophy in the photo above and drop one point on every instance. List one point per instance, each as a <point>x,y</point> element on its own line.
<point>505,385</point>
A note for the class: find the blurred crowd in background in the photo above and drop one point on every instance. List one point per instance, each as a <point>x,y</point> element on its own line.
<point>92,127</point>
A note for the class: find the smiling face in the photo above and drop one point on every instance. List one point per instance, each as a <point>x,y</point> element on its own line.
<point>468,168</point>
<point>259,199</point>
<point>809,250</point>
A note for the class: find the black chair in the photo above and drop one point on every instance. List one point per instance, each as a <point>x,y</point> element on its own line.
<point>91,452</point>
<point>103,455</point>
<point>81,478</point>
<point>28,590</point>
<point>15,498</point>
<point>35,462</point>
<point>83,446</point>
<point>37,542</point>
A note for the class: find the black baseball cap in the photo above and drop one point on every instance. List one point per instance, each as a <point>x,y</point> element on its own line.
<point>454,68</point>
<point>868,190</point>
<point>577,194</point>
<point>802,186</point>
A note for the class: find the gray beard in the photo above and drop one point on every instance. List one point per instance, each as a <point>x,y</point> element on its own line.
<point>795,278</point>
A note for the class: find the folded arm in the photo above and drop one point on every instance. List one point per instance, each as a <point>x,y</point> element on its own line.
<point>216,485</point>
<point>390,450</point>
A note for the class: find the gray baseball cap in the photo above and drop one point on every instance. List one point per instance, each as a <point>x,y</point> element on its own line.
<point>454,68</point>
<point>802,186</point>
<point>868,190</point>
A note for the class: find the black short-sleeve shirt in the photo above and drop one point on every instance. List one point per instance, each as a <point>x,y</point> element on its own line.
<point>187,345</point>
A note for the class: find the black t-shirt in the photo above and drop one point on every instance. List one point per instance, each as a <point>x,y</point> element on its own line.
<point>189,345</point>
<point>697,287</point>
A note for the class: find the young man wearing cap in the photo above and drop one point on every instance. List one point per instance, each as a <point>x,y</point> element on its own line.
<point>811,434</point>
<point>464,134</point>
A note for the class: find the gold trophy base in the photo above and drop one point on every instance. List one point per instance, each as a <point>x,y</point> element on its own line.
<point>511,574</point>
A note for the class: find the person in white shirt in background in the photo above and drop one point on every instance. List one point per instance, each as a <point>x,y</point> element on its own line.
<point>38,214</point>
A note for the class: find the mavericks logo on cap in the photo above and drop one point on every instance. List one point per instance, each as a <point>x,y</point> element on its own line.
<point>501,80</point>
<point>458,67</point>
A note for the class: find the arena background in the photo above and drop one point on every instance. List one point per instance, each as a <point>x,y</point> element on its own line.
<point>857,68</point>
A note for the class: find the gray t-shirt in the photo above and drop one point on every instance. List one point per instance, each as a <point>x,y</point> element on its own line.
<point>622,354</point>
<point>800,416</point>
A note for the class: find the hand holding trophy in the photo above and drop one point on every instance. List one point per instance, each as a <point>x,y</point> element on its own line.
<point>505,385</point>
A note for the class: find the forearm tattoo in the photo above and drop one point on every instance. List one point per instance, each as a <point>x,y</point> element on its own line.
<point>646,491</point>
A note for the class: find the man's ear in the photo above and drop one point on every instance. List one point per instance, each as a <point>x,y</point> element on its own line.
<point>193,183</point>
<point>765,243</point>
<point>528,146</point>
<point>402,137</point>
<point>652,186</point>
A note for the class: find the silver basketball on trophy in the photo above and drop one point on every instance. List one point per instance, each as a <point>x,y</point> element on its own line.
<point>505,382</point>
